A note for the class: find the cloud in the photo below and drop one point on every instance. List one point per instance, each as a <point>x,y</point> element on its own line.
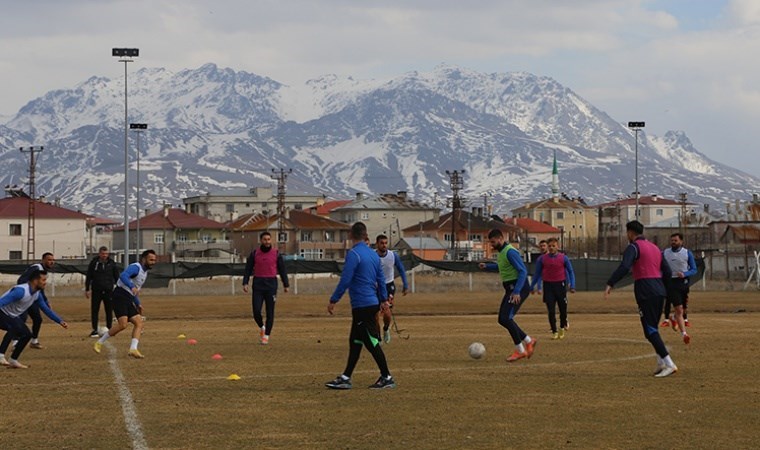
<point>636,59</point>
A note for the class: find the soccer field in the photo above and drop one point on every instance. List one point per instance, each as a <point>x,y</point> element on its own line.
<point>593,389</point>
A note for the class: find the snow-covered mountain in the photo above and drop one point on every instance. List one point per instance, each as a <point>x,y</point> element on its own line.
<point>212,129</point>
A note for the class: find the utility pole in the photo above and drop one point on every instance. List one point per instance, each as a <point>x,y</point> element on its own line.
<point>486,209</point>
<point>636,126</point>
<point>682,222</point>
<point>281,176</point>
<point>30,233</point>
<point>456,181</point>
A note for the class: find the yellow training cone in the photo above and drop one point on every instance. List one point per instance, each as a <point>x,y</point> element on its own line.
<point>233,377</point>
<point>181,336</point>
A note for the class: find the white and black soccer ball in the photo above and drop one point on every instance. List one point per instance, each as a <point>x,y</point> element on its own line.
<point>477,350</point>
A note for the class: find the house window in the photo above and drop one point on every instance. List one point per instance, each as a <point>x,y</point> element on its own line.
<point>312,253</point>
<point>447,237</point>
<point>659,212</point>
<point>306,236</point>
<point>182,237</point>
<point>365,216</point>
<point>14,229</point>
<point>282,237</point>
<point>158,238</point>
<point>475,237</point>
<point>229,207</point>
<point>329,236</point>
<point>206,238</point>
<point>385,215</point>
<point>560,215</point>
<point>15,254</point>
<point>298,206</point>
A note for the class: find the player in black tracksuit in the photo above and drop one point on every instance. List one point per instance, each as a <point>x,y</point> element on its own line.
<point>102,274</point>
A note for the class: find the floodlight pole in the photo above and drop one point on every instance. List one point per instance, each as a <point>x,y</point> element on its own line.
<point>138,129</point>
<point>636,126</point>
<point>124,55</point>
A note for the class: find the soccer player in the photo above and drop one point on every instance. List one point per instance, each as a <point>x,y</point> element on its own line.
<point>102,274</point>
<point>514,278</point>
<point>390,262</point>
<point>13,305</point>
<point>649,269</point>
<point>556,272</point>
<point>264,264</point>
<point>47,264</point>
<point>543,248</point>
<point>363,277</point>
<point>683,266</point>
<point>126,303</point>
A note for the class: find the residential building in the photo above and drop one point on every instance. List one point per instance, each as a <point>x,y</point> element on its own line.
<point>305,234</point>
<point>225,206</point>
<point>532,232</point>
<point>324,208</point>
<point>176,234</point>
<point>427,248</point>
<point>57,230</point>
<point>386,214</point>
<point>469,231</point>
<point>99,233</point>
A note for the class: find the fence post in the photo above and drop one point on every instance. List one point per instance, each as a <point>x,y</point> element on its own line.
<point>704,275</point>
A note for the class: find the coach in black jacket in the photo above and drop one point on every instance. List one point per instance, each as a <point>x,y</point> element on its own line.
<point>102,274</point>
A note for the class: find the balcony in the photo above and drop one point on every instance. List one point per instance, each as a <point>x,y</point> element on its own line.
<point>200,245</point>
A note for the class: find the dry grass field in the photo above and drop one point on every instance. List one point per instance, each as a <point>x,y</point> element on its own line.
<point>593,389</point>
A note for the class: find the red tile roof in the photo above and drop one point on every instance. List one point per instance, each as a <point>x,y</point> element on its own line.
<point>298,220</point>
<point>325,208</point>
<point>643,201</point>
<point>175,219</point>
<point>18,207</point>
<point>531,226</point>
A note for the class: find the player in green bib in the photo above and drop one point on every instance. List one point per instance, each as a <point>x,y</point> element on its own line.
<point>514,278</point>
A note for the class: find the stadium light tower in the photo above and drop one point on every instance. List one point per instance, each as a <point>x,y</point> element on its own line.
<point>138,129</point>
<point>636,126</point>
<point>125,55</point>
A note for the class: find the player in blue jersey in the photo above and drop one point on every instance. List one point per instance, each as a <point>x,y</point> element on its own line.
<point>13,305</point>
<point>683,265</point>
<point>46,264</point>
<point>126,303</point>
<point>363,277</point>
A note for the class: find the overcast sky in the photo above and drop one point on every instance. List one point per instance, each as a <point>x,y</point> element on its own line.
<point>687,65</point>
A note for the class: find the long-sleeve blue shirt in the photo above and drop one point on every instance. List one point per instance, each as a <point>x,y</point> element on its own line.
<point>646,287</point>
<point>514,258</point>
<point>18,293</point>
<point>24,278</point>
<point>537,276</point>
<point>362,276</point>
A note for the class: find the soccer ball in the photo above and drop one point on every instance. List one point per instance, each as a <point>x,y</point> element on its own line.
<point>102,330</point>
<point>477,350</point>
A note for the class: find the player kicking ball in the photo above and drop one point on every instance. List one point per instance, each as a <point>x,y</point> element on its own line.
<point>514,278</point>
<point>126,303</point>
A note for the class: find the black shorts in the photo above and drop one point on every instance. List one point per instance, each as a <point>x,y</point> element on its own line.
<point>123,304</point>
<point>678,291</point>
<point>364,324</point>
<point>555,292</point>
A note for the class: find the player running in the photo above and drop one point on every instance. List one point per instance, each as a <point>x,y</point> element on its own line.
<point>363,277</point>
<point>265,263</point>
<point>683,265</point>
<point>126,303</point>
<point>649,270</point>
<point>514,278</point>
<point>390,262</point>
<point>13,306</point>
<point>556,272</point>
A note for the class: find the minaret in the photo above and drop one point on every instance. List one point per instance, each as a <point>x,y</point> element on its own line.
<point>555,179</point>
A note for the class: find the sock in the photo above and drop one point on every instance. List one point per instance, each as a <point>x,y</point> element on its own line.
<point>15,361</point>
<point>104,338</point>
<point>668,362</point>
<point>683,333</point>
<point>2,355</point>
<point>520,348</point>
<point>266,336</point>
<point>34,341</point>
<point>133,345</point>
<point>527,340</point>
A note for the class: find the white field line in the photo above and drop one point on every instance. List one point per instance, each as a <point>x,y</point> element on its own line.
<point>131,421</point>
